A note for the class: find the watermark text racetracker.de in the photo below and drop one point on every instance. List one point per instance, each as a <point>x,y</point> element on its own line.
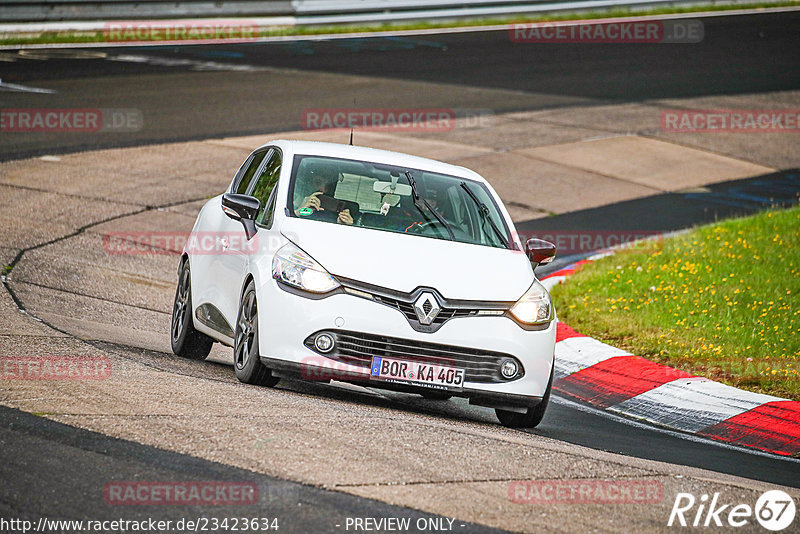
<point>570,242</point>
<point>148,525</point>
<point>180,493</point>
<point>324,369</point>
<point>760,371</point>
<point>320,368</point>
<point>195,243</point>
<point>608,31</point>
<point>395,119</point>
<point>55,368</point>
<point>585,491</point>
<point>231,30</point>
<point>730,120</point>
<point>70,120</point>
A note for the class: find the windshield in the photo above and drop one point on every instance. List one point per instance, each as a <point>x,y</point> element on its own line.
<point>395,199</point>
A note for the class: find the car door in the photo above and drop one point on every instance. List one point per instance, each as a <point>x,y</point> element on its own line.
<point>235,257</point>
<point>210,257</point>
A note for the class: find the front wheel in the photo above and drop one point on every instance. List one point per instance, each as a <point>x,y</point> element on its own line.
<point>186,341</point>
<point>531,417</point>
<point>246,358</point>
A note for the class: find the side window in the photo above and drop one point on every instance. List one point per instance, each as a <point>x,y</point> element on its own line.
<point>249,170</point>
<point>263,187</point>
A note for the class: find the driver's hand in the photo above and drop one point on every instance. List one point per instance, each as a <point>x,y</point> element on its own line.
<point>345,217</point>
<point>312,201</point>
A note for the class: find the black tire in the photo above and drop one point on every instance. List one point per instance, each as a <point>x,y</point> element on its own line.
<point>246,358</point>
<point>436,395</point>
<point>530,418</point>
<point>186,341</point>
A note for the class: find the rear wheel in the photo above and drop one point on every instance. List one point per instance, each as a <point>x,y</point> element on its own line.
<point>246,358</point>
<point>186,341</point>
<point>531,417</point>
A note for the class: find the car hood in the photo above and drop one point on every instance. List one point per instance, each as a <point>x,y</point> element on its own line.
<point>403,262</point>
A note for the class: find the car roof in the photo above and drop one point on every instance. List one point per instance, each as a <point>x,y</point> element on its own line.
<point>375,155</point>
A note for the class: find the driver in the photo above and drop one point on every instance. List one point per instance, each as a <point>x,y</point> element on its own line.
<point>407,217</point>
<point>321,179</point>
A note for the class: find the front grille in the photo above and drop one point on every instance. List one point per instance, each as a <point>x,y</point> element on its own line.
<point>404,303</point>
<point>407,309</point>
<point>358,349</point>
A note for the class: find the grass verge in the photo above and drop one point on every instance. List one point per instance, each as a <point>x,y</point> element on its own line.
<point>98,36</point>
<point>721,301</point>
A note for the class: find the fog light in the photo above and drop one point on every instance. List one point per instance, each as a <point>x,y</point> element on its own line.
<point>323,342</point>
<point>509,369</point>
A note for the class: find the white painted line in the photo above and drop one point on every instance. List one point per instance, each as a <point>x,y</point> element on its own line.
<point>550,282</point>
<point>191,64</point>
<point>604,253</point>
<point>577,353</point>
<point>584,5</point>
<point>691,404</point>
<point>674,433</point>
<point>16,88</point>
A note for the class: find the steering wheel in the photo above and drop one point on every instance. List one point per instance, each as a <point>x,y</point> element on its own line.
<point>420,228</point>
<point>426,225</point>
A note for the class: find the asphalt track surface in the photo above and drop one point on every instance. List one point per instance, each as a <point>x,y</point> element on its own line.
<point>190,92</point>
<point>73,467</point>
<point>739,55</point>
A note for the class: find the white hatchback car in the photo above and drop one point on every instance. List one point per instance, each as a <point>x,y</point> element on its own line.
<point>326,261</point>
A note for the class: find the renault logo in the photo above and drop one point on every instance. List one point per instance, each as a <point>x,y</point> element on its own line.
<point>427,308</point>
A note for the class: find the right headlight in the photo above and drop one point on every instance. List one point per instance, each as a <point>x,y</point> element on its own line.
<point>535,306</point>
<point>292,266</point>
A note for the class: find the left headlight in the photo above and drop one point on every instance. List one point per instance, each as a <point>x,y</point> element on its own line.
<point>292,266</point>
<point>535,306</point>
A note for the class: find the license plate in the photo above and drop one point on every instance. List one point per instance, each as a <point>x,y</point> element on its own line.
<point>417,373</point>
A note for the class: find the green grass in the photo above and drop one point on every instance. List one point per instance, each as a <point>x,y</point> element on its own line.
<point>76,37</point>
<point>722,301</point>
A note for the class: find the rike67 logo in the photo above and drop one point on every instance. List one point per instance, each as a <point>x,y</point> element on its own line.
<point>774,510</point>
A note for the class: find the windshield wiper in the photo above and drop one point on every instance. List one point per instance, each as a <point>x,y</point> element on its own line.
<point>413,184</point>
<point>485,212</point>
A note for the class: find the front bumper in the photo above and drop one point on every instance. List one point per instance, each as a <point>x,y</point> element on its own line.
<point>287,319</point>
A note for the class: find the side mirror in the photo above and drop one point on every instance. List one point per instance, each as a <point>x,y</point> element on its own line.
<point>540,251</point>
<point>242,208</point>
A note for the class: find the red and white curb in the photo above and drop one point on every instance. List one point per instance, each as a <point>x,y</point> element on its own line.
<point>617,381</point>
